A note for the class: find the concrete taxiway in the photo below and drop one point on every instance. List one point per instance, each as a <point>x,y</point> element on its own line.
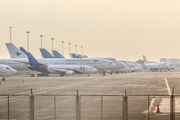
<point>145,83</point>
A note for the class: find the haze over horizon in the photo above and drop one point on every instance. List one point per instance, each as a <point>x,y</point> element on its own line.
<point>124,30</point>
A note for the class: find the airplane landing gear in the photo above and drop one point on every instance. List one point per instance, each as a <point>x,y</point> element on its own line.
<point>61,75</point>
<point>88,75</point>
<point>3,79</point>
<point>104,73</point>
<point>111,72</point>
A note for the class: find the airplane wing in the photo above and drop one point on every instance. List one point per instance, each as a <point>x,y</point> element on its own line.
<point>65,72</point>
<point>22,62</point>
<point>60,71</point>
<point>27,63</point>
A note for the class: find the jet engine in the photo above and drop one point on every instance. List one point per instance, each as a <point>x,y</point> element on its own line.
<point>69,72</point>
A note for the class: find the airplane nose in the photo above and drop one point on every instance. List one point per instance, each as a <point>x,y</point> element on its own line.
<point>13,71</point>
<point>94,70</point>
<point>113,65</point>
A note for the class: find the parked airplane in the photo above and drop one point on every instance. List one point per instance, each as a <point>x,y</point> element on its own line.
<point>59,69</point>
<point>119,65</point>
<point>6,71</point>
<point>155,66</point>
<point>100,64</point>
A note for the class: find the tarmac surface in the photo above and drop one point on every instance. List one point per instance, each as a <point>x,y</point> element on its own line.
<point>58,94</point>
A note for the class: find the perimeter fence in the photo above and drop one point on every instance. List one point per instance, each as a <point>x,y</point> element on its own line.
<point>88,107</point>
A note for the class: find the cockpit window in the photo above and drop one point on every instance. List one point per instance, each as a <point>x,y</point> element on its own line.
<point>7,68</point>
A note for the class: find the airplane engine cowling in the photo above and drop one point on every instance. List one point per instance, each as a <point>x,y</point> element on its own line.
<point>69,72</point>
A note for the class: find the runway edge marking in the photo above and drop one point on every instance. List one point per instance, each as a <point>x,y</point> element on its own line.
<point>168,88</point>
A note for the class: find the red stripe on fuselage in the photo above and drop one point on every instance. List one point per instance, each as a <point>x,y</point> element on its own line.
<point>77,72</point>
<point>46,70</point>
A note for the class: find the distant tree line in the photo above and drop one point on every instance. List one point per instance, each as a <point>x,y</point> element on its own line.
<point>141,62</point>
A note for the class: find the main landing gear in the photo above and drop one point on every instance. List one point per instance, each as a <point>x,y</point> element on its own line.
<point>61,75</point>
<point>104,73</point>
<point>3,79</point>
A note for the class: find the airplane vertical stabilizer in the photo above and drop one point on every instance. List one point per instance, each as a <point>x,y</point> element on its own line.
<point>32,60</point>
<point>73,55</point>
<point>23,50</point>
<point>144,58</point>
<point>57,54</point>
<point>45,53</point>
<point>14,51</point>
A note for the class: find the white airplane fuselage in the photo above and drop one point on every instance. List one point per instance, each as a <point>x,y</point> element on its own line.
<point>99,64</point>
<point>157,66</point>
<point>6,70</point>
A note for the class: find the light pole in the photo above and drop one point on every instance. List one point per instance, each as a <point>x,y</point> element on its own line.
<point>28,40</point>
<point>69,49</point>
<point>10,34</point>
<point>52,42</point>
<point>41,40</point>
<point>76,49</point>
<point>81,50</point>
<point>62,48</point>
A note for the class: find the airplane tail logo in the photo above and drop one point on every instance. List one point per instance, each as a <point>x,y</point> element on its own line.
<point>18,53</point>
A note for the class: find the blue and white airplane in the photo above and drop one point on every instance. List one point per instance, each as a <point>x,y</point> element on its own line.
<point>118,67</point>
<point>59,69</point>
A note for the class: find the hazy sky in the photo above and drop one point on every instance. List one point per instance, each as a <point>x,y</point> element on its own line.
<point>123,29</point>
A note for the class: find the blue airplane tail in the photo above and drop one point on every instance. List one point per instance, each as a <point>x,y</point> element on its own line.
<point>32,60</point>
<point>80,56</point>
<point>73,55</point>
<point>23,50</point>
<point>57,54</point>
<point>45,53</point>
<point>85,56</point>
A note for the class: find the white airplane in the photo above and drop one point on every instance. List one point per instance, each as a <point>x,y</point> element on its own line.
<point>6,71</point>
<point>59,69</point>
<point>119,65</point>
<point>155,66</point>
<point>21,63</point>
<point>137,67</point>
<point>129,65</point>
